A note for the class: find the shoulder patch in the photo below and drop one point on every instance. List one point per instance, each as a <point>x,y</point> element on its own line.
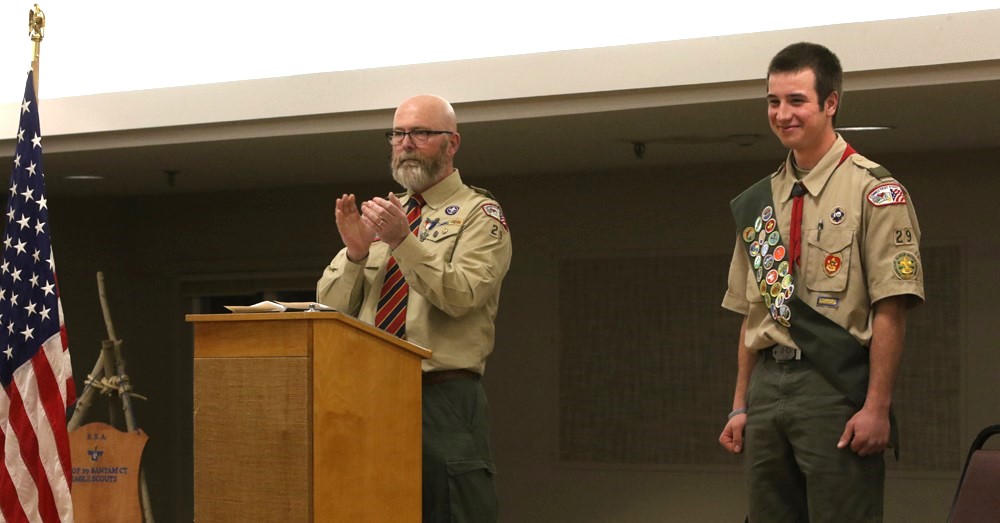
<point>873,168</point>
<point>887,194</point>
<point>493,211</point>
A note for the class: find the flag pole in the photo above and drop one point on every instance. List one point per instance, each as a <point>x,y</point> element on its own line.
<point>36,30</point>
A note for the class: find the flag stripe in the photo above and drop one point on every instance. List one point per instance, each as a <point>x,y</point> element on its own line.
<point>50,399</point>
<point>31,460</point>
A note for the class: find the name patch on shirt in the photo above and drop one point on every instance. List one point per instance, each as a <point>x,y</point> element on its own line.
<point>828,301</point>
<point>887,194</point>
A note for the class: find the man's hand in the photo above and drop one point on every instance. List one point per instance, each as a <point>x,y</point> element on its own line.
<point>387,217</point>
<point>867,432</point>
<point>732,435</point>
<point>356,234</point>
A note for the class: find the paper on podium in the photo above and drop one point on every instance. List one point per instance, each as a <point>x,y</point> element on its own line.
<point>280,306</point>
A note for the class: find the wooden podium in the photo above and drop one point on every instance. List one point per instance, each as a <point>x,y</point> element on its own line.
<point>305,416</point>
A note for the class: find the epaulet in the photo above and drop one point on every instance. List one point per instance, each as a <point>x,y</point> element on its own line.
<point>873,168</point>
<point>484,192</point>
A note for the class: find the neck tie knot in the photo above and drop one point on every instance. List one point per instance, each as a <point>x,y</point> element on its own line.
<point>798,189</point>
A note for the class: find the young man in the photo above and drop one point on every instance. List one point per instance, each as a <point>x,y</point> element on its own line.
<point>825,268</point>
<point>427,265</point>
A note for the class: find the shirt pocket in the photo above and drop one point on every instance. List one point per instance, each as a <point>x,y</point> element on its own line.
<point>828,260</point>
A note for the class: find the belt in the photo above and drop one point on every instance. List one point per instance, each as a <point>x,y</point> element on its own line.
<point>781,353</point>
<point>440,376</point>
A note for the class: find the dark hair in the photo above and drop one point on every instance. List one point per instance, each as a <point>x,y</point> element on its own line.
<point>821,61</point>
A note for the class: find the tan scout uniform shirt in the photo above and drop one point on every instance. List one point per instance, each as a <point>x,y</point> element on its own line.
<point>860,241</point>
<point>454,268</point>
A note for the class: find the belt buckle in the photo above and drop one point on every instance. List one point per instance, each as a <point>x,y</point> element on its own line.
<point>782,353</point>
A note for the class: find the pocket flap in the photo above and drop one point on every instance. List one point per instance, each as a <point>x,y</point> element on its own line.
<point>832,241</point>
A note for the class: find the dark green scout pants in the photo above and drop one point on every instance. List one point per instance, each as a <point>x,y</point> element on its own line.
<point>794,470</point>
<point>458,471</point>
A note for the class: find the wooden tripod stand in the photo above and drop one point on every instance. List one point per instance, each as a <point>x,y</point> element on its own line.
<point>109,377</point>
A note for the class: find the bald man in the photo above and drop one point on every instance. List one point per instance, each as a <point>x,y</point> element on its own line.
<point>426,265</point>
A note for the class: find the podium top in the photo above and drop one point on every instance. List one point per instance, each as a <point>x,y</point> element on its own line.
<point>310,316</point>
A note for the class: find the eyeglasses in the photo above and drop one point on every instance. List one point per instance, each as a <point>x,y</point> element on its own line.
<point>419,136</point>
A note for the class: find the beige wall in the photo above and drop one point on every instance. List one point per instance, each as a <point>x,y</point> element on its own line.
<point>155,249</point>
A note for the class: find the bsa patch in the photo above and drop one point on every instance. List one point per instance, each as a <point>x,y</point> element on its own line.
<point>832,264</point>
<point>837,216</point>
<point>493,211</point>
<point>905,265</point>
<point>887,194</point>
<point>451,210</point>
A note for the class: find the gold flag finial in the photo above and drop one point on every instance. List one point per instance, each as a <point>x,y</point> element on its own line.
<point>36,30</point>
<point>36,24</point>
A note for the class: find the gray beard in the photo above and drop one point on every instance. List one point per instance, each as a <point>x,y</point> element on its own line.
<point>413,176</point>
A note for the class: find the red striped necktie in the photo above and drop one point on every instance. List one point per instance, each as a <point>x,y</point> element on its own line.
<point>391,313</point>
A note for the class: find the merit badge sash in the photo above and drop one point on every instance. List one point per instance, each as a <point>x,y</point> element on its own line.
<point>833,351</point>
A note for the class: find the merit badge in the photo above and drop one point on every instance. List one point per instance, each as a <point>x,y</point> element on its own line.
<point>905,266</point>
<point>763,288</point>
<point>758,224</point>
<point>768,262</point>
<point>773,238</point>
<point>770,225</point>
<point>767,213</point>
<point>772,277</point>
<point>451,210</point>
<point>775,289</point>
<point>783,268</point>
<point>757,261</point>
<point>764,249</point>
<point>779,253</point>
<point>887,194</point>
<point>832,264</point>
<point>837,216</point>
<point>749,234</point>
<point>786,281</point>
<point>493,211</point>
<point>759,274</point>
<point>754,248</point>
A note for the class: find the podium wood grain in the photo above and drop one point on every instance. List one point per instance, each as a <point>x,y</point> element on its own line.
<point>305,417</point>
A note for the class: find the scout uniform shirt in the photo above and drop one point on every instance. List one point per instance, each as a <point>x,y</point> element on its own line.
<point>860,242</point>
<point>454,267</point>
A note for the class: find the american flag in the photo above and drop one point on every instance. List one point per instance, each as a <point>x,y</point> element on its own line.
<point>35,368</point>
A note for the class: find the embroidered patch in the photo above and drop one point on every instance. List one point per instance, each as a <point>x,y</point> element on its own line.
<point>837,216</point>
<point>493,211</point>
<point>887,194</point>
<point>749,234</point>
<point>832,264</point>
<point>828,301</point>
<point>779,253</point>
<point>904,236</point>
<point>905,265</point>
<point>451,210</point>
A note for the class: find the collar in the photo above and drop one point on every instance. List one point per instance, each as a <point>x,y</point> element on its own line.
<point>439,193</point>
<point>784,179</point>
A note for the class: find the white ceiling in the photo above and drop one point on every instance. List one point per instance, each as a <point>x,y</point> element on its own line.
<point>691,102</point>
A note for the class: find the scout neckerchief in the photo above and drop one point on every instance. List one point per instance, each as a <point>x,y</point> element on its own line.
<point>834,352</point>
